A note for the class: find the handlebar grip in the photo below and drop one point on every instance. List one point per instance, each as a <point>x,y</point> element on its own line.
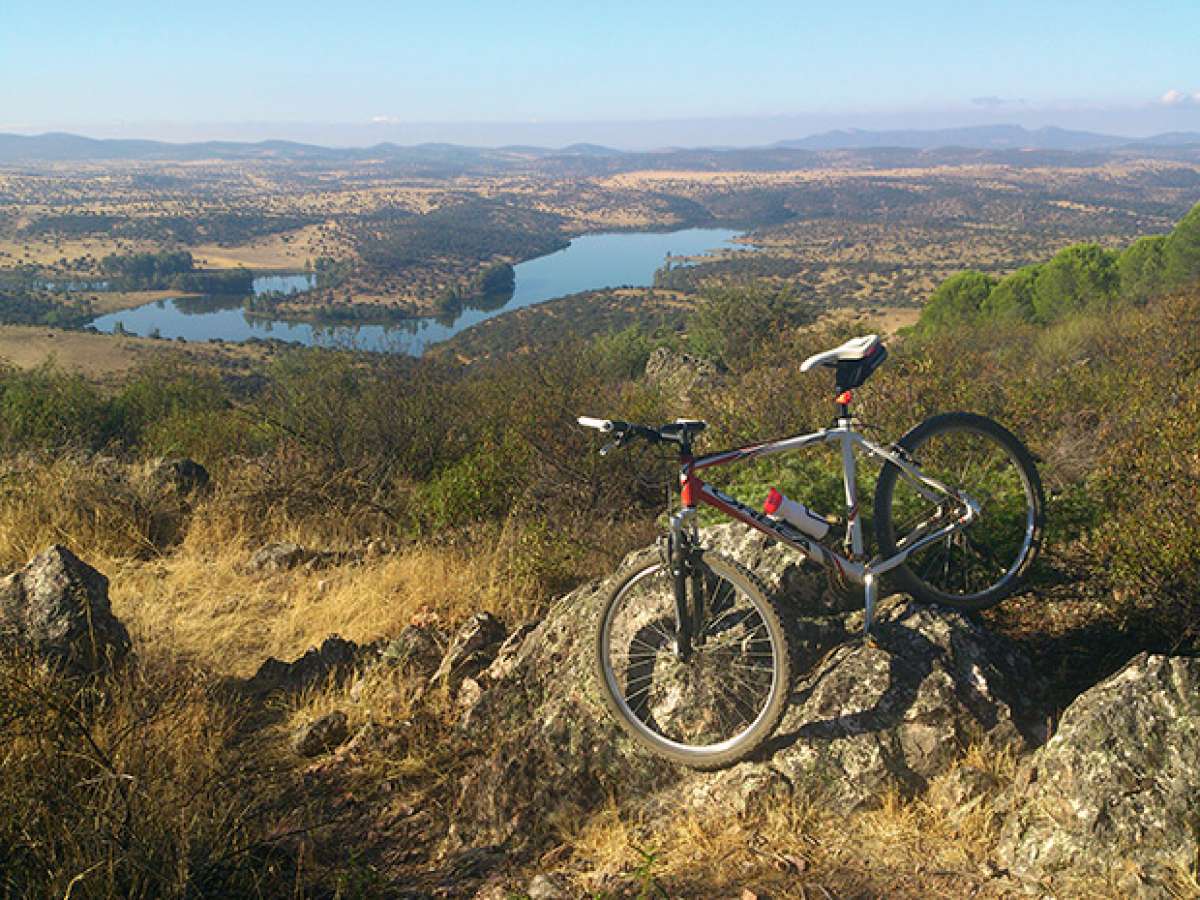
<point>598,424</point>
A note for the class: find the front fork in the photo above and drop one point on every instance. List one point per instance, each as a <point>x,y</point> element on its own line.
<point>689,618</point>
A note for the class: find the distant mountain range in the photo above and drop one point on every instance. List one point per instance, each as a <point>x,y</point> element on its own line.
<point>984,137</point>
<point>59,147</point>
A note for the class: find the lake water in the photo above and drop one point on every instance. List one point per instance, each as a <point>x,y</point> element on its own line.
<point>590,262</point>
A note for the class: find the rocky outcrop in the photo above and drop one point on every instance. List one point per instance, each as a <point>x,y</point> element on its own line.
<point>679,374</point>
<point>866,718</point>
<point>472,649</point>
<point>335,659</point>
<point>890,713</point>
<point>58,607</point>
<point>1114,793</point>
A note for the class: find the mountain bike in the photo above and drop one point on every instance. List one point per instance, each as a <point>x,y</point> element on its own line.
<point>691,654</point>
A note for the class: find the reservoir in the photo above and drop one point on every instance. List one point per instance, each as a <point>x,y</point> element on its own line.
<point>590,262</point>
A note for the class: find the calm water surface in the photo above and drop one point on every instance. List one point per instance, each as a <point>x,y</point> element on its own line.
<point>590,262</point>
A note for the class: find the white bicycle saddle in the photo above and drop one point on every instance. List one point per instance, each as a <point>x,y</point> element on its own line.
<point>855,348</point>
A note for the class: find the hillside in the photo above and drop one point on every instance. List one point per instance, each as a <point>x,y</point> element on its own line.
<point>390,501</point>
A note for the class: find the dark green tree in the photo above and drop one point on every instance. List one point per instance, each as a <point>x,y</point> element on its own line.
<point>1181,251</point>
<point>1141,269</point>
<point>1078,277</point>
<point>1012,298</point>
<point>957,300</point>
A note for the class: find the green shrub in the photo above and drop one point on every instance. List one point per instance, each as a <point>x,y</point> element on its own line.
<point>731,324</point>
<point>47,408</point>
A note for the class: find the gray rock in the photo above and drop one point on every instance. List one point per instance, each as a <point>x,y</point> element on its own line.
<point>472,649</point>
<point>680,374</point>
<point>470,693</point>
<point>1114,793</point>
<point>545,887</point>
<point>322,735</point>
<point>58,607</point>
<point>284,555</point>
<point>336,658</point>
<point>506,657</point>
<point>868,718</point>
<point>417,647</point>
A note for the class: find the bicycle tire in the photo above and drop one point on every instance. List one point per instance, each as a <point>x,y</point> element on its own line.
<point>714,655</point>
<point>1007,537</point>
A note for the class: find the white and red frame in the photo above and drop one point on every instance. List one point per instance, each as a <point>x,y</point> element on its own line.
<point>694,491</point>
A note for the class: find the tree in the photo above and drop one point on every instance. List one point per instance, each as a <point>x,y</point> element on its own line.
<point>957,300</point>
<point>1079,276</point>
<point>1141,269</point>
<point>1181,251</point>
<point>1012,298</point>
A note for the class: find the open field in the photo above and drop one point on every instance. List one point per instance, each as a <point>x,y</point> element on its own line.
<point>103,357</point>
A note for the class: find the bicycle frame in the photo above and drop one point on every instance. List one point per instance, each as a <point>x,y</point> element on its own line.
<point>695,491</point>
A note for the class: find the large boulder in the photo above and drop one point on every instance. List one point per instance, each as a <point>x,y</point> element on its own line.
<point>58,607</point>
<point>1113,795</point>
<point>867,716</point>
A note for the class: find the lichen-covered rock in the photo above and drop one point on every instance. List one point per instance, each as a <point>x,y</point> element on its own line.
<point>58,607</point>
<point>887,714</point>
<point>284,555</point>
<point>506,656</point>
<point>868,717</point>
<point>1114,793</point>
<point>471,650</point>
<point>321,735</point>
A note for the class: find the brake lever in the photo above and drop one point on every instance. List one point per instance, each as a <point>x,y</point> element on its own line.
<point>609,447</point>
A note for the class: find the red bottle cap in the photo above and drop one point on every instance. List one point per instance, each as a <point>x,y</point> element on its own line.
<point>771,504</point>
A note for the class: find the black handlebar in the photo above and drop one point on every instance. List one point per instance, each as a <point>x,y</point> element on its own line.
<point>679,432</point>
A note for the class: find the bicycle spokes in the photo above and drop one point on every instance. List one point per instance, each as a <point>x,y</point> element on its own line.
<point>978,555</point>
<point>715,693</point>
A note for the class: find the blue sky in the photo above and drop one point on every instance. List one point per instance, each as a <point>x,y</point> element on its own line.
<point>352,71</point>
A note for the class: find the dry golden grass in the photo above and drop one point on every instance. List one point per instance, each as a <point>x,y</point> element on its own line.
<point>107,357</point>
<point>285,251</point>
<point>203,602</point>
<point>806,847</point>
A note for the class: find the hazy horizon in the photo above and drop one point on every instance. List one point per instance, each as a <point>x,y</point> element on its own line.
<point>624,135</point>
<point>632,76</point>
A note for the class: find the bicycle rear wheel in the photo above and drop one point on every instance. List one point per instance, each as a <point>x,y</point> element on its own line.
<point>721,703</point>
<point>978,566</point>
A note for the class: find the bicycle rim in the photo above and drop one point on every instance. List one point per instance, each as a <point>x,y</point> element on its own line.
<point>987,557</point>
<point>725,697</point>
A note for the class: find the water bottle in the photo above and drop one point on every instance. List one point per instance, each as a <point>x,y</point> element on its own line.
<point>795,514</point>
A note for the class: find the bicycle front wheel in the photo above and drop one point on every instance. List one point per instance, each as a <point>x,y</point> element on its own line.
<point>721,702</point>
<point>977,566</point>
